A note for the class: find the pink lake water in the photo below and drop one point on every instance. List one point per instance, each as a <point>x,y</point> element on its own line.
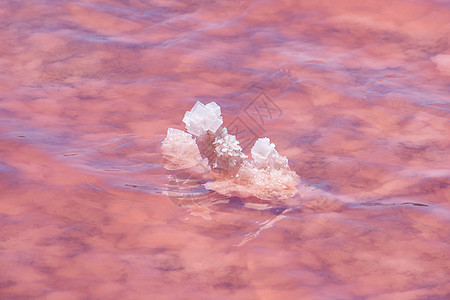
<point>355,93</point>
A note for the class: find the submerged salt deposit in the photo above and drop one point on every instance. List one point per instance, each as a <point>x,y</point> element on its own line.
<point>266,176</point>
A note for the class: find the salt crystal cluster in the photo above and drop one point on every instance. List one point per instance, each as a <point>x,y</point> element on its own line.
<point>220,148</point>
<point>266,176</point>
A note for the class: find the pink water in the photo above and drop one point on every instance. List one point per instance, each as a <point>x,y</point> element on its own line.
<point>359,98</point>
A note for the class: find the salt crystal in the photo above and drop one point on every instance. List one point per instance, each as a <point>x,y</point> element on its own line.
<point>228,152</point>
<point>203,118</point>
<point>261,150</point>
<point>180,148</point>
<point>178,143</point>
<point>265,155</point>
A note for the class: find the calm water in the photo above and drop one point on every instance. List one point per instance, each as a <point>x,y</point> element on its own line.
<point>355,93</point>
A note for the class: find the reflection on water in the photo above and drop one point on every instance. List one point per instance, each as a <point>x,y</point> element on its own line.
<point>358,99</point>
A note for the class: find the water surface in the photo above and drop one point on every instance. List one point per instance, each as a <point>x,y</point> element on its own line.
<point>355,94</point>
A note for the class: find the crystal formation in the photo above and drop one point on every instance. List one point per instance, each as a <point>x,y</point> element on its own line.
<point>203,118</point>
<point>266,176</point>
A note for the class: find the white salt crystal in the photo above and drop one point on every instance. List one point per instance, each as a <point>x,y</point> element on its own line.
<point>220,148</point>
<point>202,118</point>
<point>262,150</point>
<point>178,143</point>
<point>265,155</point>
<point>180,148</point>
<point>228,152</point>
